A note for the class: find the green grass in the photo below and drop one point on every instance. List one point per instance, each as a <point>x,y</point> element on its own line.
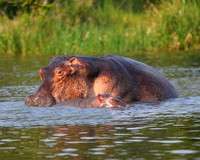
<point>82,29</point>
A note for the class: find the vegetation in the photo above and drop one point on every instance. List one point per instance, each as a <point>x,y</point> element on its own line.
<point>98,26</point>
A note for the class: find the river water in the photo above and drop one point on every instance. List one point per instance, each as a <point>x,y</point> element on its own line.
<point>149,130</point>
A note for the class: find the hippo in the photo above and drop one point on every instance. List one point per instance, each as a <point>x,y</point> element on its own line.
<point>101,100</point>
<point>71,77</point>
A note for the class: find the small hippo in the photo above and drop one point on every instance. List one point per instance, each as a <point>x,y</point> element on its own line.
<point>101,100</point>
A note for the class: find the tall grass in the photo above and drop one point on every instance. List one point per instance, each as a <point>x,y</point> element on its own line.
<point>86,28</point>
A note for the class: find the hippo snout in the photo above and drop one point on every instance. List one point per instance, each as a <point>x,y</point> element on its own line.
<point>39,101</point>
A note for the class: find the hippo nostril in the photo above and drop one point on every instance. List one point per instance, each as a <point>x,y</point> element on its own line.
<point>36,98</point>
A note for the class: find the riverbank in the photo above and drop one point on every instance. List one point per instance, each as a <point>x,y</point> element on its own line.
<point>79,28</point>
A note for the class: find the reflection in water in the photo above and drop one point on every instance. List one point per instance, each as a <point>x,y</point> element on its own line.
<point>153,130</point>
<point>161,138</point>
<point>161,130</point>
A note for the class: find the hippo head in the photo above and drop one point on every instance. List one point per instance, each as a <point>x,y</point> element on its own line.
<point>107,100</point>
<point>57,84</point>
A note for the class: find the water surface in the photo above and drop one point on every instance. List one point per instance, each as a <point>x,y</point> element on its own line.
<point>149,130</point>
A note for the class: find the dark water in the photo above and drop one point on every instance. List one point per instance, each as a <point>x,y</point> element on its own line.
<point>153,130</point>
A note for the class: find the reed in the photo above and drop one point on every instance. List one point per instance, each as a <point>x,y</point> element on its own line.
<point>103,28</point>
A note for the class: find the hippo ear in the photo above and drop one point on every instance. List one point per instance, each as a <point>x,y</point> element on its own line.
<point>100,97</point>
<point>73,60</point>
<point>75,64</point>
<point>72,66</point>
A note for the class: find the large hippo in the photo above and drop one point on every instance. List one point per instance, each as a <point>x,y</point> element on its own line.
<point>70,77</point>
<point>101,100</point>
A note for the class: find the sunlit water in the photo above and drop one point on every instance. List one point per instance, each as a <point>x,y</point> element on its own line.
<point>149,130</point>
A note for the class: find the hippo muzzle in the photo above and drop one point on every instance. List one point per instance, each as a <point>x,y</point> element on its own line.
<point>35,100</point>
<point>41,98</point>
<point>40,101</point>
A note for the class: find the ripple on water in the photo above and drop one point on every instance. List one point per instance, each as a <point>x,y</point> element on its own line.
<point>66,154</point>
<point>97,149</point>
<point>59,135</point>
<point>96,153</point>
<point>48,140</point>
<point>5,148</point>
<point>165,141</point>
<point>79,142</point>
<point>134,140</point>
<point>10,140</point>
<point>182,152</point>
<point>106,146</point>
<point>95,138</point>
<point>69,150</point>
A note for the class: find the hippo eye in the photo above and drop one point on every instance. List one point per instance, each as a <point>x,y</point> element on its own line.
<point>112,100</point>
<point>60,72</point>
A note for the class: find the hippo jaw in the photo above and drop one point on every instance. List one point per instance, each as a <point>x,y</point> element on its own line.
<point>40,100</point>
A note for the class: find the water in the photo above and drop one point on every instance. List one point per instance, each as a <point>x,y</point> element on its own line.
<point>155,130</point>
